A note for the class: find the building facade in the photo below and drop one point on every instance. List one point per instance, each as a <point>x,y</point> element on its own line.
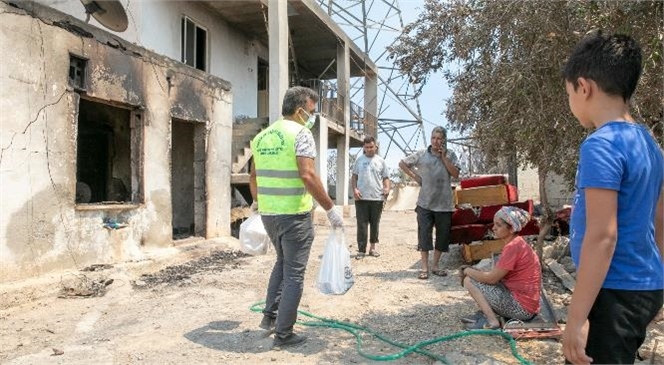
<point>117,142</point>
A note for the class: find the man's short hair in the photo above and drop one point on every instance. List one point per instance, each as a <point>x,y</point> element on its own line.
<point>369,139</point>
<point>612,61</point>
<point>439,130</point>
<point>296,97</point>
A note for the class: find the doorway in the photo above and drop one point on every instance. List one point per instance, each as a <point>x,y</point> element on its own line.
<point>263,87</point>
<point>188,179</point>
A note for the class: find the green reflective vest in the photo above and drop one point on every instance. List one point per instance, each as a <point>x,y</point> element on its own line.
<point>280,188</point>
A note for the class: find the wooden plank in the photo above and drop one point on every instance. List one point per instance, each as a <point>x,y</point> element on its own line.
<point>465,253</point>
<point>483,195</point>
<point>562,274</point>
<point>486,249</point>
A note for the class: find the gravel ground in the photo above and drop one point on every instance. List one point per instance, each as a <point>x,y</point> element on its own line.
<point>193,307</point>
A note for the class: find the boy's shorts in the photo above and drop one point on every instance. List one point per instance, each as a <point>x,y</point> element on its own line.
<point>618,321</point>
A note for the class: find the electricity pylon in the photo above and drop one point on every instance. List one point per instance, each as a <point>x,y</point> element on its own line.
<point>374,25</point>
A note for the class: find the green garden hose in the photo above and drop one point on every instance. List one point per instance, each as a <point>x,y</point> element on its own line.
<point>355,330</point>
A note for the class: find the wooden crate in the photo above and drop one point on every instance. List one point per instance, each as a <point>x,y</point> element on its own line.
<point>478,251</point>
<point>484,195</point>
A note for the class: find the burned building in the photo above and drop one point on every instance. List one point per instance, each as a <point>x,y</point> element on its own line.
<point>116,142</point>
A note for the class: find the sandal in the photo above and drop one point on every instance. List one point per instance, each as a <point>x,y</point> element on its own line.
<point>481,324</point>
<point>374,253</point>
<point>423,275</point>
<point>439,272</point>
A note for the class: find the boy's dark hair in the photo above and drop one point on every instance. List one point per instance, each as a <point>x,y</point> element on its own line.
<point>612,61</point>
<point>369,139</point>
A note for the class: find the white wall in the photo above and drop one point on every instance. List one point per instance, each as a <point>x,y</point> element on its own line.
<point>155,25</point>
<point>555,187</point>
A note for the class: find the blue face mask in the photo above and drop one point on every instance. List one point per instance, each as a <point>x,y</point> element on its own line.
<point>311,121</point>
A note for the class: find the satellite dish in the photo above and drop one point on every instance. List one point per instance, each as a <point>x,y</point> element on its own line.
<point>109,13</point>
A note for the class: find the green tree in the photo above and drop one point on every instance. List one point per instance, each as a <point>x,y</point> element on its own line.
<point>502,60</point>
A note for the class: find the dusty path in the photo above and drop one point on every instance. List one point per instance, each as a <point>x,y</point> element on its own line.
<point>205,319</point>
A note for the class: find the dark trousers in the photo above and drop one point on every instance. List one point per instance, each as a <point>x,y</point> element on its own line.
<point>368,213</point>
<point>292,236</point>
<point>618,321</point>
<point>426,221</point>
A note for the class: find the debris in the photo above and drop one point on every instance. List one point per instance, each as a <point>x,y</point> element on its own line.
<point>57,352</point>
<point>97,267</point>
<point>654,352</point>
<point>85,288</point>
<point>49,330</point>
<point>562,274</point>
<point>110,223</point>
<point>568,264</point>
<point>140,283</point>
<point>558,249</point>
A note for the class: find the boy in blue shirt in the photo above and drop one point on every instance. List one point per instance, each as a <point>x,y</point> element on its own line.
<point>617,227</point>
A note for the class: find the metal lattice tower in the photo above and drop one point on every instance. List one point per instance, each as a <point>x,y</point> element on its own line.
<point>374,25</point>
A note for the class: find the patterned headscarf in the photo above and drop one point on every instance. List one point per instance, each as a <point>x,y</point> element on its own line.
<point>515,217</point>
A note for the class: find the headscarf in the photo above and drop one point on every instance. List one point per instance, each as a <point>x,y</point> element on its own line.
<point>515,217</point>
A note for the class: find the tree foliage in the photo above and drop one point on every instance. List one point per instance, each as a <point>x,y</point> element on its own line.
<point>502,60</point>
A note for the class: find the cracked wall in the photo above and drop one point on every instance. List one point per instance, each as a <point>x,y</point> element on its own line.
<point>41,227</point>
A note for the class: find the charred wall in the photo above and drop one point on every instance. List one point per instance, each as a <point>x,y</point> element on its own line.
<point>42,226</point>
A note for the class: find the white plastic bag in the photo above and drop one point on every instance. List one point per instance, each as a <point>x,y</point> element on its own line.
<point>253,238</point>
<point>335,275</point>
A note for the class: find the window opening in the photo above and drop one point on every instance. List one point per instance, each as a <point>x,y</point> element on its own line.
<point>107,154</point>
<point>194,44</point>
<point>77,66</point>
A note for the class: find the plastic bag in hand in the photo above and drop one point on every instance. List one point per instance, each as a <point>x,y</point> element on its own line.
<point>335,275</point>
<point>253,238</point>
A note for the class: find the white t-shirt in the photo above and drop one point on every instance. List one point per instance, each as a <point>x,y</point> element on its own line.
<point>370,174</point>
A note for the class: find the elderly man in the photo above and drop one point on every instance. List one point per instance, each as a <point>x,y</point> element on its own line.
<point>433,169</point>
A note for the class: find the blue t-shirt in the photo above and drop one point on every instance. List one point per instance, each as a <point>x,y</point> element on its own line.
<point>623,157</point>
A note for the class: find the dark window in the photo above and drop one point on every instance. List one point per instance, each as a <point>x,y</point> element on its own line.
<point>77,67</point>
<point>107,154</point>
<point>263,76</point>
<point>194,44</point>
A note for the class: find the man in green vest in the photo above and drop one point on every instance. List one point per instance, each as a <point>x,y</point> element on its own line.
<point>283,181</point>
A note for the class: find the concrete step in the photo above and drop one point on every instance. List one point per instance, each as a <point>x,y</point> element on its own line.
<point>241,160</point>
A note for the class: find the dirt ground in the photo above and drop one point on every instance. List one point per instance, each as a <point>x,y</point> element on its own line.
<point>191,305</point>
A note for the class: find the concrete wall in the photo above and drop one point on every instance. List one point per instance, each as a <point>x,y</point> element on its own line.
<point>555,187</point>
<point>155,25</point>
<point>41,227</point>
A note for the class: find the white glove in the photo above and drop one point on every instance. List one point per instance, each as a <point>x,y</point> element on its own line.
<point>336,221</point>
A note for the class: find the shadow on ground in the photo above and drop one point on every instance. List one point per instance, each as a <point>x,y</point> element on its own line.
<point>225,336</point>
